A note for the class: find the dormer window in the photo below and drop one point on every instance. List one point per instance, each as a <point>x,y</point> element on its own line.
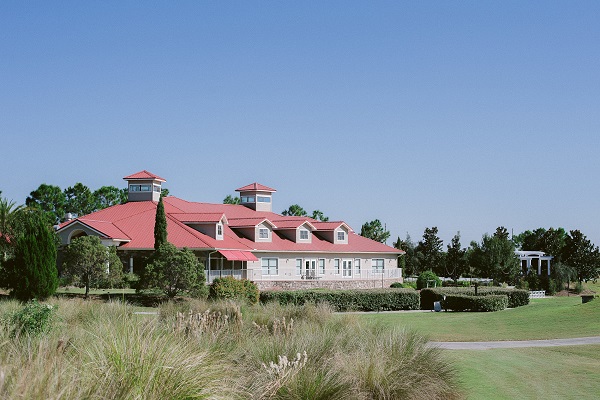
<point>263,233</point>
<point>219,230</point>
<point>341,236</point>
<point>303,234</point>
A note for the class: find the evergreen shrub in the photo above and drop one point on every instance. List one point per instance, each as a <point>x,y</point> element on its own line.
<point>424,280</point>
<point>516,297</point>
<point>33,319</point>
<point>349,300</point>
<point>230,288</point>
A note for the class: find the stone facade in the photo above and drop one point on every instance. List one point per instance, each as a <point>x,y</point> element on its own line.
<point>322,284</point>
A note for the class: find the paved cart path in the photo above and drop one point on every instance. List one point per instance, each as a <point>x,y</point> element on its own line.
<point>516,344</point>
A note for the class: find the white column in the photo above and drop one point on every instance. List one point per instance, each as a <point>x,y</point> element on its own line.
<point>528,265</point>
<point>131,264</point>
<point>539,266</point>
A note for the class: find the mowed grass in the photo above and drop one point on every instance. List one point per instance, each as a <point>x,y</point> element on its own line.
<point>570,372</point>
<point>550,318</point>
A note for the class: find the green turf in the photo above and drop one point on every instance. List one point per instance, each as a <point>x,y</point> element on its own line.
<point>550,318</point>
<point>77,290</point>
<point>570,372</point>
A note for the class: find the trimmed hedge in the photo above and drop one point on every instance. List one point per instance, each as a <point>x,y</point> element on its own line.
<point>516,297</point>
<point>349,300</point>
<point>461,302</point>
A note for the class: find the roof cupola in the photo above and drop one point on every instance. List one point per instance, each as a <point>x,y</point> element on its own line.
<point>144,186</point>
<point>257,197</point>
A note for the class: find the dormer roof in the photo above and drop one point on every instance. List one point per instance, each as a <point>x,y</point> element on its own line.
<point>144,176</point>
<point>200,218</point>
<point>331,226</point>
<point>248,222</point>
<point>255,187</point>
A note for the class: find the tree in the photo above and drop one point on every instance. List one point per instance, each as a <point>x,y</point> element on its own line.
<point>319,216</point>
<point>431,249</point>
<point>9,217</point>
<point>374,231</point>
<point>495,257</point>
<point>456,262</point>
<point>91,263</point>
<point>108,196</point>
<point>530,241</point>
<point>582,256</point>
<point>49,199</point>
<point>295,210</point>
<point>32,272</point>
<point>80,200</point>
<point>407,261</point>
<point>174,271</point>
<point>160,225</point>
<point>231,200</point>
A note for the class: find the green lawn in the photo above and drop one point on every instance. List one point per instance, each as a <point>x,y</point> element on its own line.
<point>570,372</point>
<point>76,290</point>
<point>550,318</point>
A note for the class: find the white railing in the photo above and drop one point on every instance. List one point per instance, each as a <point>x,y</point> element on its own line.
<point>291,275</point>
<point>537,294</point>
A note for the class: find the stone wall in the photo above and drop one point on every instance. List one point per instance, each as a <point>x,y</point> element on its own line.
<point>323,284</point>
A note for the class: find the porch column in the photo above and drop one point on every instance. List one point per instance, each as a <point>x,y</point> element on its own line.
<point>131,264</point>
<point>539,266</point>
<point>528,265</point>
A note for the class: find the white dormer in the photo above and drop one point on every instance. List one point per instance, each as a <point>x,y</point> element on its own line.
<point>257,197</point>
<point>144,186</point>
<point>333,232</point>
<point>210,224</point>
<point>255,229</point>
<point>296,230</point>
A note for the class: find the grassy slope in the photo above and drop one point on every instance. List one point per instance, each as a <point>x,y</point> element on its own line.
<point>552,373</point>
<point>551,318</point>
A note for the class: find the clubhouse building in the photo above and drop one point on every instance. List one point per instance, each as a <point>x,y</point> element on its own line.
<point>246,241</point>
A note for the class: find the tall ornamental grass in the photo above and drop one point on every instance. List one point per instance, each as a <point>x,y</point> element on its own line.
<point>217,350</point>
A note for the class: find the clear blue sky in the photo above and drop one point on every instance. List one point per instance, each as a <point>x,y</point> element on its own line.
<point>461,115</point>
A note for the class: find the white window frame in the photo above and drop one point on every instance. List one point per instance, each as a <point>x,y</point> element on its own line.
<point>343,236</point>
<point>304,231</point>
<point>271,270</point>
<point>220,230</point>
<point>357,266</point>
<point>299,264</point>
<point>336,266</point>
<point>263,199</point>
<point>378,269</point>
<point>247,199</point>
<point>261,231</point>
<point>321,266</point>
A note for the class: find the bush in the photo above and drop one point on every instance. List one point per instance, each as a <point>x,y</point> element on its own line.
<point>425,280</point>
<point>231,288</point>
<point>516,297</point>
<point>405,285</point>
<point>461,302</point>
<point>349,300</point>
<point>33,319</point>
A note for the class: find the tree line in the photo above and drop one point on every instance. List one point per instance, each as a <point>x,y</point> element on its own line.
<point>575,256</point>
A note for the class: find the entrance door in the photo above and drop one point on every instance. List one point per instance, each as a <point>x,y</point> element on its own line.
<point>310,268</point>
<point>347,268</point>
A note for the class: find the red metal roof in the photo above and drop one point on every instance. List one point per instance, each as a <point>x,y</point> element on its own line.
<point>237,255</point>
<point>134,221</point>
<point>255,187</point>
<point>144,175</point>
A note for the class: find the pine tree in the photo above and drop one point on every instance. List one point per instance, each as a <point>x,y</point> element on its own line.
<point>160,226</point>
<point>32,273</point>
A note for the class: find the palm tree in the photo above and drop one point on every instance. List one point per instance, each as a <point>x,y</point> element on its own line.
<point>9,212</point>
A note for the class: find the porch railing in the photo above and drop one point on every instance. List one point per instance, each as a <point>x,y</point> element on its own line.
<point>256,274</point>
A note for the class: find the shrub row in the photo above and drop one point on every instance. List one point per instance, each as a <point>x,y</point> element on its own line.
<point>516,297</point>
<point>349,300</point>
<point>461,302</point>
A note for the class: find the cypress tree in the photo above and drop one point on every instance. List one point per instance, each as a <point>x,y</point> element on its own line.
<point>160,225</point>
<point>33,272</point>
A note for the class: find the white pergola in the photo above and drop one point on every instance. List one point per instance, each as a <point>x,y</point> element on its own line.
<point>526,258</point>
